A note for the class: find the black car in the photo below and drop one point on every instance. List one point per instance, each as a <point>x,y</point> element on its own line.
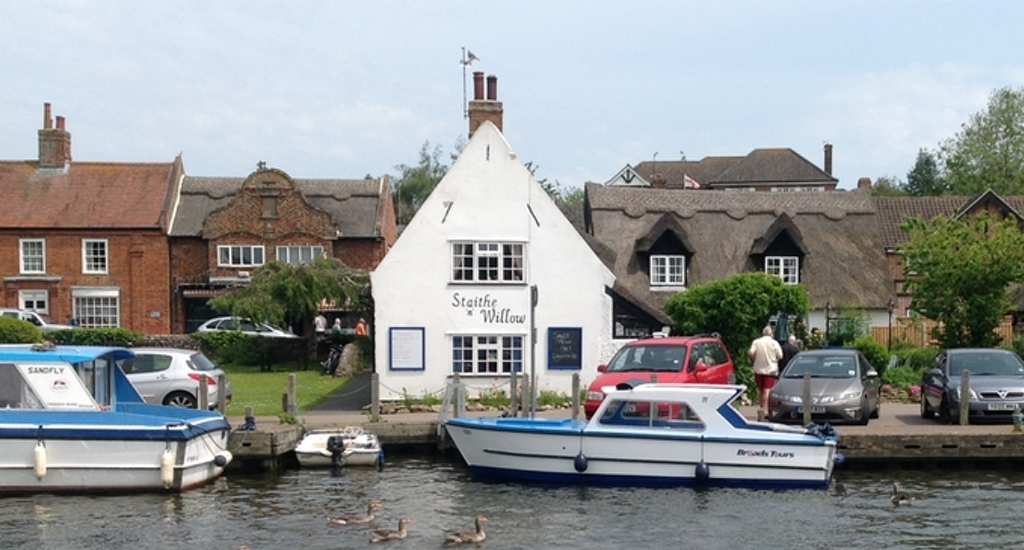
<point>996,384</point>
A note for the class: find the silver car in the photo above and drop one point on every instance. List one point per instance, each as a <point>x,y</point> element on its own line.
<point>169,376</point>
<point>245,326</point>
<point>844,388</point>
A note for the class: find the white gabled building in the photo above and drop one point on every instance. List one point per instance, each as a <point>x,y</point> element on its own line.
<point>454,293</point>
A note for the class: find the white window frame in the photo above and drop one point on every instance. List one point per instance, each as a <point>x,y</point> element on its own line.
<point>227,257</point>
<point>786,268</point>
<point>33,258</point>
<point>488,262</point>
<point>31,299</point>
<point>94,260</point>
<point>487,354</point>
<point>668,270</point>
<point>304,254</point>
<point>96,306</point>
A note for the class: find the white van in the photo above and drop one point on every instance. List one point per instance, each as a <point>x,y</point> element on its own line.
<point>40,320</point>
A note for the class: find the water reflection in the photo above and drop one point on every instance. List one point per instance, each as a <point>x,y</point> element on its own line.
<point>953,509</point>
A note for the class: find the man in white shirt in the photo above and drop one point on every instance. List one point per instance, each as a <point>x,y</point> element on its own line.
<point>765,352</point>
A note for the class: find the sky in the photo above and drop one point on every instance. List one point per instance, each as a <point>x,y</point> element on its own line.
<point>346,89</point>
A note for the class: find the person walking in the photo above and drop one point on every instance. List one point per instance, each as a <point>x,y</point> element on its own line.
<point>320,325</point>
<point>361,327</point>
<point>766,353</point>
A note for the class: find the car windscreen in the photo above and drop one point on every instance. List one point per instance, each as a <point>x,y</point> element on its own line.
<point>648,358</point>
<point>986,363</point>
<point>821,366</point>
<point>200,362</point>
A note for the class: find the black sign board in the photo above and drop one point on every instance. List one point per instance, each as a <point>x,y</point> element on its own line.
<point>565,348</point>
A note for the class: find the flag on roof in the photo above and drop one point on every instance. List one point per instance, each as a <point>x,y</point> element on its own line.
<point>690,183</point>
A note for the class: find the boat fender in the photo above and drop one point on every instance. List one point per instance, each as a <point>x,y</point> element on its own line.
<point>40,460</point>
<point>167,468</point>
<point>702,472</point>
<point>380,461</point>
<point>839,459</point>
<point>580,462</point>
<point>222,459</point>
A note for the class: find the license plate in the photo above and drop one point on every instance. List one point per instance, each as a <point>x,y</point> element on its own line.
<point>1001,406</point>
<point>814,410</point>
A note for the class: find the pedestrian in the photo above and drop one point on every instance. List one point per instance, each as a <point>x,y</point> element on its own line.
<point>789,349</point>
<point>336,329</point>
<point>765,352</point>
<point>361,327</point>
<point>320,324</point>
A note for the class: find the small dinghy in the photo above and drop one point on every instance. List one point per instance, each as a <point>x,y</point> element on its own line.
<point>350,446</point>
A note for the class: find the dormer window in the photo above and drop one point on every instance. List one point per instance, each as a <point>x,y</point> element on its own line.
<point>668,270</point>
<point>785,267</point>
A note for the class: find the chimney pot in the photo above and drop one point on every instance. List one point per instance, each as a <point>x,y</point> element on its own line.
<point>492,88</point>
<point>828,158</point>
<point>478,85</point>
<point>47,121</point>
<point>60,122</point>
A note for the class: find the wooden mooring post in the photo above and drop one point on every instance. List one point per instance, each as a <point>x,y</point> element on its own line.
<point>807,398</point>
<point>965,398</point>
<point>575,395</point>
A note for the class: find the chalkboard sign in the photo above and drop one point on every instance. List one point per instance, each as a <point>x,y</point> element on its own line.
<point>565,348</point>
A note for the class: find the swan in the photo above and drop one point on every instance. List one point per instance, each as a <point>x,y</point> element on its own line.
<point>358,518</point>
<point>381,535</point>
<point>458,536</point>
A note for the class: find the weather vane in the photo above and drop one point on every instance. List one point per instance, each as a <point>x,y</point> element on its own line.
<point>467,59</point>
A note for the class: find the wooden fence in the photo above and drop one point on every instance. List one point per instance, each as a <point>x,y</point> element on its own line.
<point>918,333</point>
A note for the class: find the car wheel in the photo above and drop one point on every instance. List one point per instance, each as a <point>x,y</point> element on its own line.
<point>945,416</point>
<point>865,415</point>
<point>181,399</point>
<point>926,411</point>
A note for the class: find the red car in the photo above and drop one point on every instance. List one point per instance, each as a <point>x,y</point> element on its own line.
<point>700,359</point>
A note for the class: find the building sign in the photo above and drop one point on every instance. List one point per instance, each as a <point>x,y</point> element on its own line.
<point>488,308</point>
<point>565,348</point>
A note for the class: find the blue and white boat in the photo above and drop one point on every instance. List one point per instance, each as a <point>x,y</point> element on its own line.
<point>651,435</point>
<point>70,421</point>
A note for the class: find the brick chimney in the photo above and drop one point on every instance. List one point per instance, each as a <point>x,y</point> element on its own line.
<point>828,158</point>
<point>659,181</point>
<point>864,183</point>
<point>54,143</point>
<point>483,108</point>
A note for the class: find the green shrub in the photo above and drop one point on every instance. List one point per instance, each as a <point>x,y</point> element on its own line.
<point>114,337</point>
<point>922,358</point>
<point>875,353</point>
<point>1018,345</point>
<point>901,376</point>
<point>16,331</point>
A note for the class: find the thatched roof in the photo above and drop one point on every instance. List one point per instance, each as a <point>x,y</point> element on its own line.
<point>837,231</point>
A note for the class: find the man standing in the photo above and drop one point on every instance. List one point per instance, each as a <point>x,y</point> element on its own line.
<point>320,325</point>
<point>765,352</point>
<point>789,350</point>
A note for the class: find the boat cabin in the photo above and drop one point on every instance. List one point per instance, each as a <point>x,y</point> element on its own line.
<point>81,378</point>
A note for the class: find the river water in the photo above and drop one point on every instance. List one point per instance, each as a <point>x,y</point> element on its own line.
<point>290,510</point>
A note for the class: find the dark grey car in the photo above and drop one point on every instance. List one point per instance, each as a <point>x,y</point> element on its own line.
<point>996,384</point>
<point>844,388</point>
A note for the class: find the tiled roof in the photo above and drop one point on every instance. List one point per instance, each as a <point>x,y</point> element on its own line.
<point>353,204</point>
<point>894,211</point>
<point>105,195</point>
<point>768,166</point>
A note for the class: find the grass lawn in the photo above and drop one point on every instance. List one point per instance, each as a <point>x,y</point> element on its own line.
<point>264,390</point>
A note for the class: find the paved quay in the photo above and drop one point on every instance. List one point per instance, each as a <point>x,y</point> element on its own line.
<point>900,435</point>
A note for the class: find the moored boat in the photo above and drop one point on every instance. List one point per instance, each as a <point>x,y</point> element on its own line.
<point>655,435</point>
<point>71,421</point>
<point>350,446</point>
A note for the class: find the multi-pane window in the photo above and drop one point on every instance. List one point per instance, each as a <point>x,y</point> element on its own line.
<point>668,270</point>
<point>487,262</point>
<point>786,267</point>
<point>296,255</point>
<point>97,307</point>
<point>240,256</point>
<point>487,354</point>
<point>94,256</point>
<point>36,300</point>
<point>33,256</point>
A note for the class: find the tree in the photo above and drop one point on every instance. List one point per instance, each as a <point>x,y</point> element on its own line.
<point>416,183</point>
<point>925,178</point>
<point>738,308</point>
<point>989,150</point>
<point>289,294</point>
<point>960,271</point>
<point>887,186</point>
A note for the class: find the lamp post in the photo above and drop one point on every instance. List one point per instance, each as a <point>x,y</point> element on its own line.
<point>892,305</point>
<point>828,320</point>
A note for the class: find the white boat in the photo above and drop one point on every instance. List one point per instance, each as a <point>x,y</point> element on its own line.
<point>71,421</point>
<point>652,435</point>
<point>350,446</point>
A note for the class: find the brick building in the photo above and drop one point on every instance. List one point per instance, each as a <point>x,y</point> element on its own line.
<point>224,228</point>
<point>86,240</point>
